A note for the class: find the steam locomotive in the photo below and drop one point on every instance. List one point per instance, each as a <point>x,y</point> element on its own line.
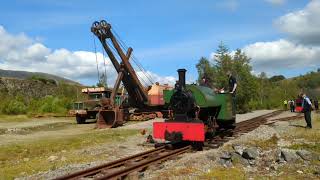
<point>195,113</point>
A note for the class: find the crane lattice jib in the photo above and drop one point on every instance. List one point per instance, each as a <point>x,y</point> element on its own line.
<point>125,70</point>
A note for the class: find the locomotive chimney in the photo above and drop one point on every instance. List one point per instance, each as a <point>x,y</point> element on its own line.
<point>182,78</point>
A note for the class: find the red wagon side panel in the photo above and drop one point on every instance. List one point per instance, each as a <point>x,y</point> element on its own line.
<point>190,131</point>
<point>298,109</point>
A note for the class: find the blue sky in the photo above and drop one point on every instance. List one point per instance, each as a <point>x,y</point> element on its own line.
<point>165,35</point>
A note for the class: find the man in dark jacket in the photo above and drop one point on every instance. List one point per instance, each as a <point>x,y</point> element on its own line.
<point>307,106</point>
<point>316,104</point>
<point>232,89</point>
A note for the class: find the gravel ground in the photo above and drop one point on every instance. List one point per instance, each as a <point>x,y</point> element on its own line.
<point>15,132</point>
<point>201,161</point>
<point>107,152</point>
<point>34,122</point>
<point>250,115</point>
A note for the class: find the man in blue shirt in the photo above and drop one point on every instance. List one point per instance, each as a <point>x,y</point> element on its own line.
<point>307,106</point>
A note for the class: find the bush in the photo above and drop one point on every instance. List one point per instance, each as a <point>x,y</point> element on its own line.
<point>43,79</point>
<point>15,107</point>
<point>52,104</point>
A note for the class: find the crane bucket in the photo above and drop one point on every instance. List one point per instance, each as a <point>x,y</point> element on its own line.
<point>110,118</point>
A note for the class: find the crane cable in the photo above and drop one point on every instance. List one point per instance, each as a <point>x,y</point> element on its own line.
<point>95,52</point>
<point>104,62</point>
<point>135,60</point>
<point>114,51</point>
<point>138,64</point>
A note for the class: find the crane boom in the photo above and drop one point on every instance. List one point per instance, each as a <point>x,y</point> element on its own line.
<point>125,71</point>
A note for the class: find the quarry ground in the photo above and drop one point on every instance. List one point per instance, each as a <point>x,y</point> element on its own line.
<point>43,148</point>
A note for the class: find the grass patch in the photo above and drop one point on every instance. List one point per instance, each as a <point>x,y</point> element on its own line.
<point>184,171</point>
<point>310,135</point>
<point>265,144</point>
<point>225,173</point>
<point>310,147</point>
<point>14,118</point>
<point>12,157</point>
<point>289,172</point>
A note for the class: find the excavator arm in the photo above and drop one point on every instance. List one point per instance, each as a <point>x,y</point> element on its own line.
<point>125,71</point>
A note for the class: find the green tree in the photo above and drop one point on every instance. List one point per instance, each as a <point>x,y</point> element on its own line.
<point>223,64</point>
<point>239,65</point>
<point>277,78</point>
<point>205,69</point>
<point>247,84</point>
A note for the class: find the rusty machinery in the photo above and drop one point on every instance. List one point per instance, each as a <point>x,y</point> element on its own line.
<point>110,114</point>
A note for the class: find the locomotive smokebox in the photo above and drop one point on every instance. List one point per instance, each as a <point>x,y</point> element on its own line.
<point>182,78</point>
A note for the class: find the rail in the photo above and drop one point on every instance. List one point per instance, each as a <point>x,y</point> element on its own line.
<point>122,167</point>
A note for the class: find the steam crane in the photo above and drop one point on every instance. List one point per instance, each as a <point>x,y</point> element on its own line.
<point>112,115</point>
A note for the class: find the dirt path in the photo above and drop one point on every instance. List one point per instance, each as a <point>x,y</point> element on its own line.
<point>42,128</point>
<point>34,122</point>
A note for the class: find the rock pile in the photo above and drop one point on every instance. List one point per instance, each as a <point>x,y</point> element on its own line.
<point>253,156</point>
<point>239,155</point>
<point>292,156</point>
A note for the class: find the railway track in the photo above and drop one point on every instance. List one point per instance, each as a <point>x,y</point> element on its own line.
<point>125,166</point>
<point>139,162</point>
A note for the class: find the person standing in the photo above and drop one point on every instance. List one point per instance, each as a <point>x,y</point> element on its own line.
<point>291,104</point>
<point>285,104</point>
<point>294,105</point>
<point>307,106</point>
<point>205,81</point>
<point>316,104</point>
<point>232,89</point>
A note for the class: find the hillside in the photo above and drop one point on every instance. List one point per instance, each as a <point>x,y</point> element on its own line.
<point>37,95</point>
<point>309,83</point>
<point>28,75</point>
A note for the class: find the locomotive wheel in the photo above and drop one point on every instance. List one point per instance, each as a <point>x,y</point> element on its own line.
<point>198,146</point>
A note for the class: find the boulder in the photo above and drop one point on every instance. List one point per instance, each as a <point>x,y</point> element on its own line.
<point>225,155</point>
<point>237,158</point>
<point>289,155</point>
<point>250,153</point>
<point>305,155</point>
<point>279,158</point>
<point>225,163</point>
<point>238,148</point>
<point>252,162</point>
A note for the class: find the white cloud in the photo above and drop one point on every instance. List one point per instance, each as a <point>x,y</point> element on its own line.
<point>302,25</point>
<point>300,50</point>
<point>155,78</point>
<point>19,52</point>
<point>276,2</point>
<point>280,55</point>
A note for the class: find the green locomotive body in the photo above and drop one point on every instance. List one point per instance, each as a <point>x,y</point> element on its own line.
<point>195,113</point>
<point>206,98</point>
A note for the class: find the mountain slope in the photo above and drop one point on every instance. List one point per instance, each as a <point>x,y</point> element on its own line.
<point>28,75</point>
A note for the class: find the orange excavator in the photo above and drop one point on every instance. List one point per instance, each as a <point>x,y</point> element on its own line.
<point>148,102</point>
